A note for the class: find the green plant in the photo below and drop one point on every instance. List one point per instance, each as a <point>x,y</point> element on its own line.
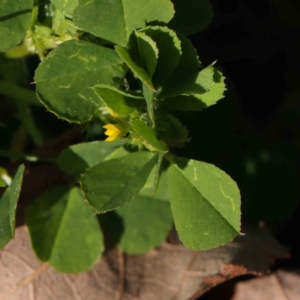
<point>129,65</point>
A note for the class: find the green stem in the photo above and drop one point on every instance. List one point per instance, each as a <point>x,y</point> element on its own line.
<point>28,121</point>
<point>157,171</point>
<point>170,157</point>
<point>16,92</point>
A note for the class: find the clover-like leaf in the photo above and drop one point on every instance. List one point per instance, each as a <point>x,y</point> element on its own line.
<point>197,83</point>
<point>76,159</point>
<point>186,71</point>
<point>216,92</point>
<point>137,71</point>
<point>66,6</point>
<point>205,203</point>
<point>140,225</point>
<point>169,47</point>
<point>120,102</point>
<point>196,102</point>
<point>64,230</point>
<point>15,17</point>
<point>116,20</point>
<point>113,183</point>
<point>64,80</point>
<point>148,52</point>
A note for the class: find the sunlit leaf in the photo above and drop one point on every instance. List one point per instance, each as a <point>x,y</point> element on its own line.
<point>205,203</point>
<point>76,159</point>
<point>116,20</point>
<point>120,102</point>
<point>147,134</point>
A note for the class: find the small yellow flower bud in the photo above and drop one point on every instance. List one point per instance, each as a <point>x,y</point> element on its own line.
<point>113,131</point>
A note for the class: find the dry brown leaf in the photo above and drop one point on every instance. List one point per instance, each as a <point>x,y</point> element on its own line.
<point>171,272</point>
<point>281,285</point>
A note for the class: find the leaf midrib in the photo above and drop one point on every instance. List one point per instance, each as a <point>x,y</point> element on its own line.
<point>61,221</point>
<point>128,182</point>
<point>223,217</point>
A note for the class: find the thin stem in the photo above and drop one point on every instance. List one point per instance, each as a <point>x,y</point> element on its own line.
<point>28,121</point>
<point>16,92</point>
<point>170,157</point>
<point>157,171</point>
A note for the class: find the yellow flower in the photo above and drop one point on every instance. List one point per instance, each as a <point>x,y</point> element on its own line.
<point>113,131</point>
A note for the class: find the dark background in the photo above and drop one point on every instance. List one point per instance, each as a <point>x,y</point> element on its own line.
<point>254,132</point>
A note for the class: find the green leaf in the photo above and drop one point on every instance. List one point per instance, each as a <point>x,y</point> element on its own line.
<point>169,49</point>
<point>8,205</point>
<point>66,6</point>
<point>63,26</point>
<point>191,15</point>
<point>118,101</point>
<point>147,135</point>
<point>116,20</point>
<point>15,17</point>
<point>64,79</point>
<point>148,95</point>
<point>115,182</point>
<point>185,72</point>
<point>139,72</point>
<point>76,159</point>
<point>160,158</point>
<point>205,203</point>
<point>121,151</point>
<point>64,231</point>
<point>171,130</point>
<point>200,101</point>
<point>148,52</point>
<point>140,225</point>
<point>162,191</point>
<point>216,92</point>
<point>197,83</point>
